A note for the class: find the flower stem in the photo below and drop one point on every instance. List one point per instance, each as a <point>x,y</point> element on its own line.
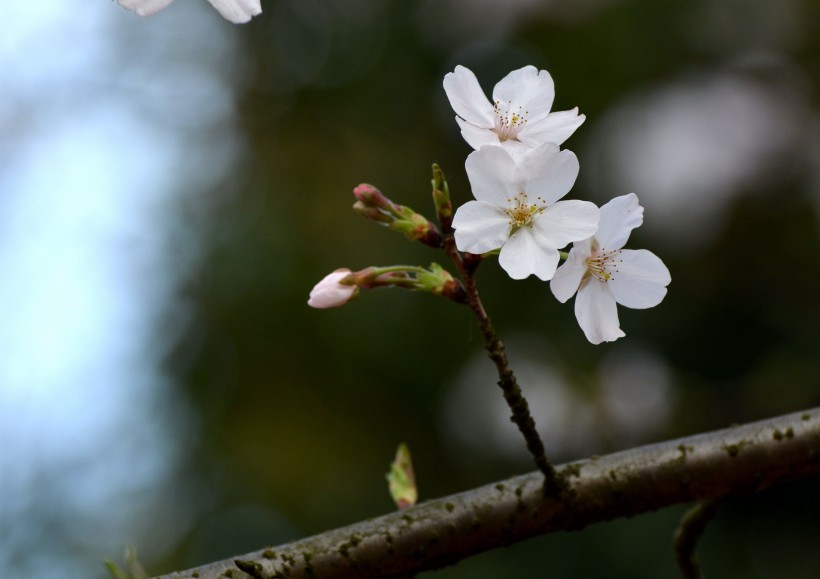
<point>521,416</point>
<point>398,268</point>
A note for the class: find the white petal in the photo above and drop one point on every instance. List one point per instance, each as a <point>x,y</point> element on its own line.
<point>144,7</point>
<point>567,221</point>
<point>237,11</point>
<point>583,248</point>
<point>640,280</point>
<point>597,312</point>
<point>329,293</point>
<point>618,218</point>
<point>568,277</point>
<point>493,175</point>
<point>475,136</point>
<point>525,253</point>
<point>555,128</point>
<point>480,227</point>
<point>528,88</point>
<point>516,149</point>
<point>548,172</point>
<point>467,99</point>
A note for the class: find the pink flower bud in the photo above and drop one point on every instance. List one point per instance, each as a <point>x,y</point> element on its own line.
<point>372,197</point>
<point>329,293</point>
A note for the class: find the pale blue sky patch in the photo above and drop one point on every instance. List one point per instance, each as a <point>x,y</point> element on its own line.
<point>99,143</point>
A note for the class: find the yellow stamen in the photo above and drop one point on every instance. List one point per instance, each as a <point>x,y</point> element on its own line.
<point>603,264</point>
<point>508,123</point>
<point>522,212</point>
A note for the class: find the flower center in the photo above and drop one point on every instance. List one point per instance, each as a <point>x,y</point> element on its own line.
<point>604,264</point>
<point>522,212</point>
<point>508,120</point>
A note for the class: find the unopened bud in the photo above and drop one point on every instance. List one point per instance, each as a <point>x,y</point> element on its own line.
<point>332,291</point>
<point>415,227</point>
<point>372,213</point>
<point>441,198</point>
<point>373,205</point>
<point>401,481</point>
<point>372,197</point>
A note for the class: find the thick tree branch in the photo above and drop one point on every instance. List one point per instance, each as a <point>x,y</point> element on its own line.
<point>738,460</point>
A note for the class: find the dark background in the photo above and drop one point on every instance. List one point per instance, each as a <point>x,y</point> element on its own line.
<point>707,110</point>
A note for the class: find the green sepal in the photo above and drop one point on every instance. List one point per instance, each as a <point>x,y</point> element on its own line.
<point>441,196</point>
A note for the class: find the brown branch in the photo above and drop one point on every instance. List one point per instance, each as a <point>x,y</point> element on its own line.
<point>521,415</point>
<point>738,460</point>
<point>466,265</point>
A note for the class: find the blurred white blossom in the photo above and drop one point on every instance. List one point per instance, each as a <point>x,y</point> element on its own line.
<point>699,142</point>
<point>237,11</point>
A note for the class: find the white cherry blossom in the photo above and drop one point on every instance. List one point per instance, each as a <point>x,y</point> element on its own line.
<point>237,11</point>
<point>605,275</point>
<point>516,208</point>
<point>518,118</point>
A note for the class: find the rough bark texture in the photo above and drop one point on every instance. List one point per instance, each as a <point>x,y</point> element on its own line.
<point>738,460</point>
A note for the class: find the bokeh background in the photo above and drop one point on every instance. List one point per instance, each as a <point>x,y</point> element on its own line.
<point>171,188</point>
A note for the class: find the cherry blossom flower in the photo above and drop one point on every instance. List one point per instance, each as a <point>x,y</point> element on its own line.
<point>237,11</point>
<point>605,275</point>
<point>519,116</point>
<point>516,208</point>
<point>329,293</point>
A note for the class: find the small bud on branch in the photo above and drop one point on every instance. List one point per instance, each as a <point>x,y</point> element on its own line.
<point>373,205</point>
<point>341,286</point>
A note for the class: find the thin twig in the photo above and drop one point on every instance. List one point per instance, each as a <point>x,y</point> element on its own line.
<point>689,532</point>
<point>521,416</point>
